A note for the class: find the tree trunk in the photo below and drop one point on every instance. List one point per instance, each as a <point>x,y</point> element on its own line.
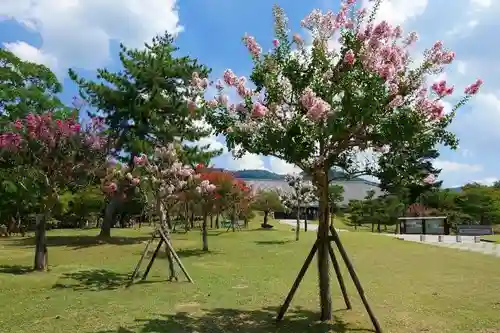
<point>191,222</point>
<point>266,218</point>
<point>233,219</point>
<point>186,216</point>
<point>41,252</point>
<point>305,220</point>
<point>217,224</point>
<point>109,217</point>
<point>211,221</point>
<point>162,215</point>
<point>297,228</point>
<point>204,233</point>
<point>325,298</point>
<point>373,227</point>
<point>378,227</point>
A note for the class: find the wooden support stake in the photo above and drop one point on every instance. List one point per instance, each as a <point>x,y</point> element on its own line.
<point>158,247</point>
<point>138,266</point>
<point>296,284</point>
<point>174,254</point>
<point>336,267</point>
<point>355,279</point>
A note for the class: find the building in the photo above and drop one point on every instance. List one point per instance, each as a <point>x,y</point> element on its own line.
<point>355,189</point>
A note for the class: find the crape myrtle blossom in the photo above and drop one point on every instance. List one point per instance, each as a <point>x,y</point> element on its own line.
<point>318,108</point>
<point>50,132</point>
<point>161,176</point>
<point>377,49</point>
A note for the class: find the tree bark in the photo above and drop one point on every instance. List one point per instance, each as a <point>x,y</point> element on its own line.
<point>109,217</point>
<point>217,224</point>
<point>266,218</point>
<point>204,233</point>
<point>41,252</point>
<point>325,298</point>
<point>305,220</point>
<point>211,221</point>
<point>297,228</point>
<point>233,219</point>
<point>162,215</point>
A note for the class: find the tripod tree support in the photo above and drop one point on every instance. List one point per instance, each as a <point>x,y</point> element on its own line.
<point>171,254</point>
<point>335,238</point>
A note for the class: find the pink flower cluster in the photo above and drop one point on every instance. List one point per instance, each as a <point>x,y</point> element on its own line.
<point>237,82</point>
<point>41,128</point>
<point>140,160</point>
<point>349,57</point>
<point>474,88</point>
<point>437,55</point>
<point>198,82</point>
<point>429,179</point>
<point>325,25</point>
<point>316,107</point>
<point>441,89</point>
<point>252,46</point>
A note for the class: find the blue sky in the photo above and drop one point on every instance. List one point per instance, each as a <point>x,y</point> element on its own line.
<point>84,34</point>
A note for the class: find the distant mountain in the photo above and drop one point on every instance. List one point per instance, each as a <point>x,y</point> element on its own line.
<point>268,175</point>
<point>257,174</point>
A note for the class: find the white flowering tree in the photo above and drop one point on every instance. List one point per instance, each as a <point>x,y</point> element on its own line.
<point>302,194</point>
<point>320,108</point>
<point>165,181</point>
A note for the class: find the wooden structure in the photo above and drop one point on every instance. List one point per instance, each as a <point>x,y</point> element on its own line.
<point>423,225</point>
<point>334,236</point>
<point>160,234</point>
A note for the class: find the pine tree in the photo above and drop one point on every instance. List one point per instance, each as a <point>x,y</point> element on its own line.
<point>144,105</point>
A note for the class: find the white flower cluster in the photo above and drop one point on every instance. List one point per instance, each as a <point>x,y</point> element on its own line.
<point>205,187</point>
<point>167,176</point>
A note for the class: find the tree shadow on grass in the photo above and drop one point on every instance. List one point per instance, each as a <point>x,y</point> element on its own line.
<point>15,269</point>
<point>82,241</point>
<point>92,280</point>
<point>233,320</point>
<point>182,253</point>
<point>273,242</point>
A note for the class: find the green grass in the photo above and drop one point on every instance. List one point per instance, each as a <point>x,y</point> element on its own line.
<point>412,287</point>
<point>495,238</point>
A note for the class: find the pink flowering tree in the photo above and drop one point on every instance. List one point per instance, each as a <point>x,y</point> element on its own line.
<point>165,182</point>
<point>55,154</point>
<point>320,108</point>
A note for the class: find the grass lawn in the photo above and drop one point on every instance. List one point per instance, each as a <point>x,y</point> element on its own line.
<point>342,222</point>
<point>239,285</point>
<point>495,238</point>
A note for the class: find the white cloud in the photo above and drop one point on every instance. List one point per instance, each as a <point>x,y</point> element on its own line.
<point>30,53</point>
<point>481,3</point>
<point>399,11</point>
<point>246,162</point>
<point>212,142</point>
<point>461,67</point>
<point>281,167</point>
<point>450,166</point>
<point>77,33</point>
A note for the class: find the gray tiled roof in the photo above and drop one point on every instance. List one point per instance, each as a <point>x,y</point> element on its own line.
<point>353,189</point>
